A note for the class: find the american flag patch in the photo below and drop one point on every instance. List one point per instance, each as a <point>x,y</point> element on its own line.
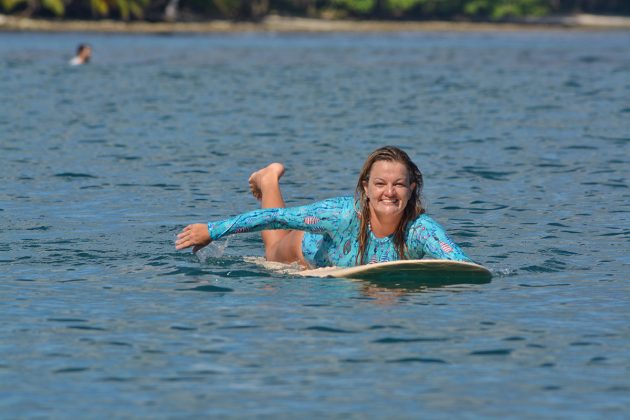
<point>446,247</point>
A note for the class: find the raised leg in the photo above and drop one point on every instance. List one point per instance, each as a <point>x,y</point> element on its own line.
<point>280,245</point>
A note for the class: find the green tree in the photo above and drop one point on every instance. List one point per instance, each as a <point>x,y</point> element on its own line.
<point>360,7</point>
<point>30,7</point>
<point>228,8</point>
<point>500,9</point>
<point>125,8</point>
<point>400,7</point>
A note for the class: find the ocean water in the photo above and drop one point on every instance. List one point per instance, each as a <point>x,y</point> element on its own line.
<point>523,139</point>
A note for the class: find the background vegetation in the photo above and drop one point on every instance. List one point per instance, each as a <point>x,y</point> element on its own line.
<point>197,10</point>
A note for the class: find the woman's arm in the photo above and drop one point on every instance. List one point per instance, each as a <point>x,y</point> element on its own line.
<point>430,237</point>
<point>322,216</point>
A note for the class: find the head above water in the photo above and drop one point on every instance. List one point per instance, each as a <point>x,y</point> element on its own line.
<point>413,207</point>
<point>85,52</point>
<point>393,154</point>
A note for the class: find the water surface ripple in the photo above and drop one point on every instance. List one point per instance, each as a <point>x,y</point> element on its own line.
<point>523,139</point>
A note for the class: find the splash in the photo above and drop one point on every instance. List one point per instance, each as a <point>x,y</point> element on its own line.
<point>503,272</point>
<point>278,267</point>
<point>214,249</point>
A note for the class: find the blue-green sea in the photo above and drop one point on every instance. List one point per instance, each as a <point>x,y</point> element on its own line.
<point>524,142</point>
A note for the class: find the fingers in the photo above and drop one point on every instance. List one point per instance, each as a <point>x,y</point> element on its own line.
<point>185,231</point>
<point>185,238</point>
<point>183,243</point>
<point>193,235</point>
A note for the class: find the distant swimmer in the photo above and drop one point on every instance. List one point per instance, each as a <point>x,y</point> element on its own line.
<point>384,221</point>
<point>84,53</point>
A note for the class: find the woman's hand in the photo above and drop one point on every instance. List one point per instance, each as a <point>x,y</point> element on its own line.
<point>196,235</point>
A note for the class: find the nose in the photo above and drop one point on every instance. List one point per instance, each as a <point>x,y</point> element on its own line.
<point>390,190</point>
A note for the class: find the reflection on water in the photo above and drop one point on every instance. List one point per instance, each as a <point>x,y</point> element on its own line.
<point>523,142</point>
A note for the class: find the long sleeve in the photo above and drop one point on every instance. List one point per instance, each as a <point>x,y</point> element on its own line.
<point>426,236</point>
<point>322,216</point>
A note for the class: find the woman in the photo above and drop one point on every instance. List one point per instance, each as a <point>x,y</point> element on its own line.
<point>385,221</point>
<point>84,53</point>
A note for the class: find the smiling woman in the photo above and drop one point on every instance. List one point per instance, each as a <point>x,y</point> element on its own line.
<point>389,192</point>
<point>385,221</point>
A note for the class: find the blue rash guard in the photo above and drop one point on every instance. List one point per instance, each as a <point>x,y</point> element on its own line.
<point>331,232</point>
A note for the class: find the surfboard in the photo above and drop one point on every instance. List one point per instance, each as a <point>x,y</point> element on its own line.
<point>410,273</point>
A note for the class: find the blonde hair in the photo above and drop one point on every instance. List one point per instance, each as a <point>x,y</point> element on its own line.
<point>413,209</point>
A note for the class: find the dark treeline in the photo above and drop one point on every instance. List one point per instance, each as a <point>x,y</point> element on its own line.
<point>198,10</point>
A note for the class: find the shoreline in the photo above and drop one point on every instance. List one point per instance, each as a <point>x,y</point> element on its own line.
<point>307,25</point>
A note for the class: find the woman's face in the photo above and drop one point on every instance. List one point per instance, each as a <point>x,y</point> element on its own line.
<point>388,189</point>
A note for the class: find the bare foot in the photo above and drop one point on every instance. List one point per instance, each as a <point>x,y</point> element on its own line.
<point>271,173</point>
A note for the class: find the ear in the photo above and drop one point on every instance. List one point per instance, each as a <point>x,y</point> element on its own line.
<point>412,187</point>
<point>365,186</point>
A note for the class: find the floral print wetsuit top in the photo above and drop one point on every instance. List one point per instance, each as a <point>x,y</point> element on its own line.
<point>331,231</point>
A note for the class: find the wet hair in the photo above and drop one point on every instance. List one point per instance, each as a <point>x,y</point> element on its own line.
<point>413,209</point>
<point>81,47</point>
